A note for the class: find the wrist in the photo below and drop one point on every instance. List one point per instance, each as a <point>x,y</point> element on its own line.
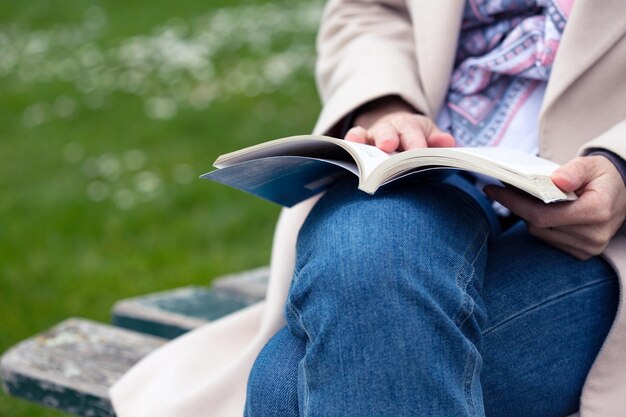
<point>620,165</point>
<point>615,159</point>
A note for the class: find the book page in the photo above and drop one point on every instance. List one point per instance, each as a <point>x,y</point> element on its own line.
<point>369,156</point>
<point>319,147</point>
<point>310,148</point>
<point>324,148</point>
<point>513,159</point>
<point>527,172</point>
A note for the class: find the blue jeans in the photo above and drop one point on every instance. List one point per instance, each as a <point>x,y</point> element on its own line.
<point>411,303</point>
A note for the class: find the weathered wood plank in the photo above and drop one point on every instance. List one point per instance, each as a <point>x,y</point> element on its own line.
<point>251,284</point>
<point>71,366</point>
<point>171,313</point>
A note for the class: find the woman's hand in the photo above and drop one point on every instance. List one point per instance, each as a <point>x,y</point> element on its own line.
<point>582,228</point>
<point>393,125</point>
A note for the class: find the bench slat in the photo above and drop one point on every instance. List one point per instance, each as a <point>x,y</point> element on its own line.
<point>169,314</point>
<point>72,366</point>
<point>251,284</point>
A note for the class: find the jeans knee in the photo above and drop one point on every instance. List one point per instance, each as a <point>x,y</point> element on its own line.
<point>272,384</point>
<point>353,246</point>
<point>416,247</point>
<point>349,224</point>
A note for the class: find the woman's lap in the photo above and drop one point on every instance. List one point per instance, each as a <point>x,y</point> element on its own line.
<point>533,317</point>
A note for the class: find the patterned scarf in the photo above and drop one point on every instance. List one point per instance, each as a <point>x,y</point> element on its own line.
<point>506,49</point>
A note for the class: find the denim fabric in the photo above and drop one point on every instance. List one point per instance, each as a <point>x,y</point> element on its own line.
<point>408,303</point>
<point>278,383</point>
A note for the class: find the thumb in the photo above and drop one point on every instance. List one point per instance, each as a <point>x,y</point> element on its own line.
<point>574,175</point>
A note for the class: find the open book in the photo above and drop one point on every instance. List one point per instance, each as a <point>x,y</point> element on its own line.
<point>289,170</point>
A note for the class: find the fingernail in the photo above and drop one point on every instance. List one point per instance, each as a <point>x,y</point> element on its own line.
<point>565,176</point>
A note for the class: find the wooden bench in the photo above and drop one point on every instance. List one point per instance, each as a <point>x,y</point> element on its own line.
<point>71,366</point>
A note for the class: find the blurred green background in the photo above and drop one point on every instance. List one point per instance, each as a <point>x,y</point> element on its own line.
<point>109,111</point>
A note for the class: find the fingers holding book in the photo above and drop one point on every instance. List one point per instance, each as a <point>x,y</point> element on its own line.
<point>584,227</point>
<point>392,125</point>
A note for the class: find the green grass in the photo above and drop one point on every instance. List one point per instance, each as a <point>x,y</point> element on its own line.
<point>65,254</point>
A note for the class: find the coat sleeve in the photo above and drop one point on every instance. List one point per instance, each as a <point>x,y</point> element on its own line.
<point>365,50</point>
<point>612,140</point>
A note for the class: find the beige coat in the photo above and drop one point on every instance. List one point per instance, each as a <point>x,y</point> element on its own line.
<point>373,48</point>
